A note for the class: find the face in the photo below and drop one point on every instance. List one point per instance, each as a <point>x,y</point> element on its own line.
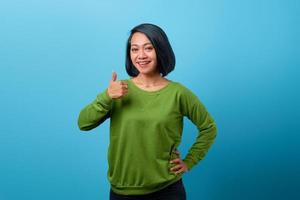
<point>142,54</point>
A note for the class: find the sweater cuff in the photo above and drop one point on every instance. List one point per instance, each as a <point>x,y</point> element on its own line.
<point>189,163</point>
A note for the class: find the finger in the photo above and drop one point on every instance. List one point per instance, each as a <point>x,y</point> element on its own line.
<point>114,76</point>
<point>176,168</point>
<point>123,83</point>
<point>124,86</point>
<point>124,92</point>
<point>177,160</point>
<point>179,171</point>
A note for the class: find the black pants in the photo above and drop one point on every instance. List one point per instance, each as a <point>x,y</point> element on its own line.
<point>175,191</point>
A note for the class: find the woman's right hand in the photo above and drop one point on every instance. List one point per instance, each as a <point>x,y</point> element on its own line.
<point>117,89</point>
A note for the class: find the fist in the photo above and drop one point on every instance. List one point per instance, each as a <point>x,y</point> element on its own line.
<point>116,89</point>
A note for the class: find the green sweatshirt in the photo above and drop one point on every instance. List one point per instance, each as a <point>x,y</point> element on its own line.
<point>145,130</point>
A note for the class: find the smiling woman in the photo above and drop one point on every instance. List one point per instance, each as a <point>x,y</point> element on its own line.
<point>146,121</point>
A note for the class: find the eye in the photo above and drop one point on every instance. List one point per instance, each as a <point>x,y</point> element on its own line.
<point>134,50</point>
<point>149,48</point>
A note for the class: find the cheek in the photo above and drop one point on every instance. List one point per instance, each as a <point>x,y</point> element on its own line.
<point>132,58</point>
<point>155,59</point>
<point>154,56</point>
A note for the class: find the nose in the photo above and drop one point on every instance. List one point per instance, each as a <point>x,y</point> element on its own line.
<point>142,55</point>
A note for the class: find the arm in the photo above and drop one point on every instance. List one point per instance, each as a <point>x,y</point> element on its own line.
<point>99,110</point>
<point>95,113</point>
<point>197,113</point>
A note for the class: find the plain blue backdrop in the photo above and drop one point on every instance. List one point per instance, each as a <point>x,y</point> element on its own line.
<point>241,58</point>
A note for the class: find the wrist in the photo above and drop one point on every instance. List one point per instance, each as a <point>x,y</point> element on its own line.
<point>107,94</point>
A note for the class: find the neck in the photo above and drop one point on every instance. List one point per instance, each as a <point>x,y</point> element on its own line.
<point>149,80</point>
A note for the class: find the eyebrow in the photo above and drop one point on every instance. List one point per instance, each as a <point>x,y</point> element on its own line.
<point>142,44</point>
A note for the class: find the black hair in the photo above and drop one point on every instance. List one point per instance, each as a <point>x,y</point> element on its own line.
<point>164,52</point>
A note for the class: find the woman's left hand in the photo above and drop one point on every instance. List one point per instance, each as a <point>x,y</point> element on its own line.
<point>180,166</point>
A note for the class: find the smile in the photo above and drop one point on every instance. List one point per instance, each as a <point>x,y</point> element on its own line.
<point>143,63</point>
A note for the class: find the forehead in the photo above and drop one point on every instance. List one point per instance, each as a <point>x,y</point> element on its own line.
<point>139,39</point>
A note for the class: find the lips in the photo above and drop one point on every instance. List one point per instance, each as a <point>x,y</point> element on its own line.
<point>143,63</point>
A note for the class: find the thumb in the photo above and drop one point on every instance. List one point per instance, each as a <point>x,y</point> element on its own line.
<point>114,76</point>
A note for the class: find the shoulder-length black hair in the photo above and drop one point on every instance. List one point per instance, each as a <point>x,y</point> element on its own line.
<point>164,52</point>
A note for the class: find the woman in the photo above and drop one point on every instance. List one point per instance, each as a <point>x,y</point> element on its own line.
<point>146,121</point>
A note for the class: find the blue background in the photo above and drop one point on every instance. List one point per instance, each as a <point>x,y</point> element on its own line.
<point>240,57</point>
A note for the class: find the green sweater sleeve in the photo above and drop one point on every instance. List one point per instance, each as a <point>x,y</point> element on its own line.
<point>195,111</point>
<point>96,112</point>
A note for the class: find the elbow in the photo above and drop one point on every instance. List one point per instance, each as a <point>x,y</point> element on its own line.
<point>214,127</point>
<point>215,130</point>
<point>86,126</point>
<point>212,130</point>
<point>82,123</point>
<point>83,126</point>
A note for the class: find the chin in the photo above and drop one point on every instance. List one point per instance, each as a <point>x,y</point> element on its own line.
<point>146,70</point>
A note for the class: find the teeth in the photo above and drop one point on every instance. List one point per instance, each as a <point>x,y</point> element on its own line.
<point>142,63</point>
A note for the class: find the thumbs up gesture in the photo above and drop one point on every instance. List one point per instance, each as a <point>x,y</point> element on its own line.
<point>116,89</point>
